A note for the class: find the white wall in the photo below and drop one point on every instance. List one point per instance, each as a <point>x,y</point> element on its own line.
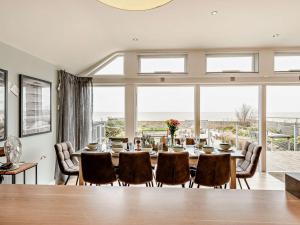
<point>17,62</point>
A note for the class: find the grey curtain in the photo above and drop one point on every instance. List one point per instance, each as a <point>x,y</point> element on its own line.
<point>75,110</point>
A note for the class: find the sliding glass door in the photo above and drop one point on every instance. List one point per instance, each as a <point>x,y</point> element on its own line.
<point>283,128</point>
<point>229,114</point>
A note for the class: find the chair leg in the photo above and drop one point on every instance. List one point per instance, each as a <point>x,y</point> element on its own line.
<point>67,180</point>
<point>151,183</point>
<point>119,183</point>
<point>183,185</point>
<point>225,186</point>
<point>198,186</point>
<point>240,183</point>
<point>77,180</point>
<point>191,184</point>
<point>146,184</point>
<point>111,184</point>
<point>247,183</point>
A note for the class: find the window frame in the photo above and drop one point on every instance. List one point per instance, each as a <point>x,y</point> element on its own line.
<point>108,61</point>
<point>255,64</point>
<point>163,56</point>
<point>285,54</point>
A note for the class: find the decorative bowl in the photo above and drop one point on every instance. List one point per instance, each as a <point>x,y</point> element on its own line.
<point>178,148</point>
<point>225,146</point>
<point>92,146</point>
<point>208,149</point>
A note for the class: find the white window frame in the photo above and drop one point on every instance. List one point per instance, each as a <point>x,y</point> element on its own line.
<point>163,56</point>
<point>286,54</point>
<point>108,61</point>
<point>255,64</point>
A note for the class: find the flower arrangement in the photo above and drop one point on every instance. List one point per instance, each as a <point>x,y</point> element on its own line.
<point>173,127</point>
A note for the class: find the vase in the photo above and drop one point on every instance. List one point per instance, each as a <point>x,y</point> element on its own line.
<point>13,149</point>
<point>172,139</point>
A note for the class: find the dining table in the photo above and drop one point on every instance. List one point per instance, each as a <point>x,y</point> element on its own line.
<point>193,159</point>
<point>90,205</point>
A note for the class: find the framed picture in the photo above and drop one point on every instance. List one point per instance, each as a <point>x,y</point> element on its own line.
<point>35,106</point>
<point>3,104</point>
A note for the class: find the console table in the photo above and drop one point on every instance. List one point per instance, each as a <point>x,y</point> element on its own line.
<point>22,169</point>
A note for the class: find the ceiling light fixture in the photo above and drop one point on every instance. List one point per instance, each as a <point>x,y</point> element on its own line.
<point>135,4</point>
<point>275,35</point>
<point>135,39</point>
<point>213,13</point>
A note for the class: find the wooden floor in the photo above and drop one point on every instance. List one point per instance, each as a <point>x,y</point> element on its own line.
<point>261,181</point>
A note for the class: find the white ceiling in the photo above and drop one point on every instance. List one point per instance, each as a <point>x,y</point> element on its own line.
<point>74,34</point>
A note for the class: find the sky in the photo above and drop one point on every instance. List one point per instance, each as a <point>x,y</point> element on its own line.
<point>213,99</point>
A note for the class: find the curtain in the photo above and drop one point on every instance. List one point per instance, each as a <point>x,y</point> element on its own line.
<point>75,110</point>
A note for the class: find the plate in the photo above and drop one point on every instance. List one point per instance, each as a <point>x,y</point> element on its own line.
<point>90,149</point>
<point>221,150</point>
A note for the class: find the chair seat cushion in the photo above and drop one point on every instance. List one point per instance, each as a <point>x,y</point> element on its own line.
<point>241,173</point>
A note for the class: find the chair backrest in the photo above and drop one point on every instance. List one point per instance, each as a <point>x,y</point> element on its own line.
<point>97,168</point>
<point>135,167</point>
<point>213,170</point>
<point>189,141</point>
<point>252,153</point>
<point>173,168</point>
<point>63,152</point>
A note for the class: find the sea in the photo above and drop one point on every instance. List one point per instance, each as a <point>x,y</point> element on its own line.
<point>209,116</point>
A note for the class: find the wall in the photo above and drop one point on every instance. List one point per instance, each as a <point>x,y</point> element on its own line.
<point>17,62</point>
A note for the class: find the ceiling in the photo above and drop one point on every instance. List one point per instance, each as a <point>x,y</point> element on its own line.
<point>75,34</point>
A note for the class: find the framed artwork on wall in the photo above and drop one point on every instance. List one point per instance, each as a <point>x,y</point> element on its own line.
<point>35,106</point>
<point>3,105</point>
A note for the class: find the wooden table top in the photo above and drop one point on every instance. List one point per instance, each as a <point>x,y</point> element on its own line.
<point>192,153</point>
<point>22,168</point>
<point>61,205</point>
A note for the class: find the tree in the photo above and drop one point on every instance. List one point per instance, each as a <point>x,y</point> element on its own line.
<point>244,115</point>
<point>113,127</point>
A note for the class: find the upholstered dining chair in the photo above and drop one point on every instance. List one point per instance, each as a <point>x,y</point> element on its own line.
<point>68,165</point>
<point>135,168</point>
<point>246,167</point>
<point>97,168</point>
<point>172,168</point>
<point>212,170</point>
<point>189,141</point>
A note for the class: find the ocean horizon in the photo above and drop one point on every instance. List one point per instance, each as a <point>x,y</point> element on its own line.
<point>210,116</point>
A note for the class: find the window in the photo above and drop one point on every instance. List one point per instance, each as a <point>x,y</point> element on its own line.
<point>109,112</point>
<point>287,62</point>
<point>283,128</point>
<point>231,63</point>
<point>158,104</point>
<point>229,114</point>
<point>159,64</point>
<point>115,66</point>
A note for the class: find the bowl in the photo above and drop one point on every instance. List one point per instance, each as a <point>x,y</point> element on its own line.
<point>92,146</point>
<point>208,149</point>
<point>225,146</point>
<point>117,150</point>
<point>178,149</point>
<point>146,149</point>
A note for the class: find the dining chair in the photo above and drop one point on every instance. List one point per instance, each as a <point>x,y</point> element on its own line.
<point>97,168</point>
<point>246,167</point>
<point>189,141</point>
<point>213,170</point>
<point>68,165</point>
<point>135,168</point>
<point>172,168</point>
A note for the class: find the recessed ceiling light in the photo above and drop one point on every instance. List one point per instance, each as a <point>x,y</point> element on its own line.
<point>135,39</point>
<point>213,13</point>
<point>275,35</point>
